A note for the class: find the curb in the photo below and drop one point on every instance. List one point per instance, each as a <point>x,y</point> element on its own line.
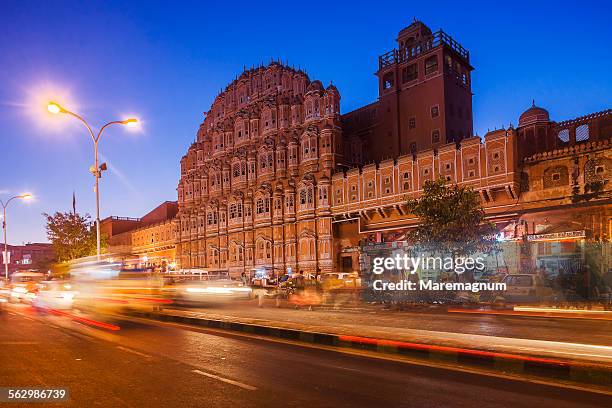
<point>503,362</point>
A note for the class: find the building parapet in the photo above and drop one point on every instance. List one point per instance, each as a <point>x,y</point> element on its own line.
<point>569,150</point>
<point>437,39</point>
<point>584,119</point>
<point>487,166</point>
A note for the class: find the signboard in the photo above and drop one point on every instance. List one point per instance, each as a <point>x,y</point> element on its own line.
<point>557,235</point>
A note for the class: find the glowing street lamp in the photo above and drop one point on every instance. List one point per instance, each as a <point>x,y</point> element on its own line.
<point>25,196</point>
<point>97,169</point>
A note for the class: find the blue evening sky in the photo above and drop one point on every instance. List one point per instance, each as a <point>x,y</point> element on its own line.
<point>166,61</point>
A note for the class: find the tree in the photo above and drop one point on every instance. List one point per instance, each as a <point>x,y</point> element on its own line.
<point>71,234</point>
<point>452,220</point>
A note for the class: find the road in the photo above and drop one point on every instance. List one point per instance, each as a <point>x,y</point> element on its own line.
<point>150,364</point>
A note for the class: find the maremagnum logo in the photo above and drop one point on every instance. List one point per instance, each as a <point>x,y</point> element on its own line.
<point>413,264</point>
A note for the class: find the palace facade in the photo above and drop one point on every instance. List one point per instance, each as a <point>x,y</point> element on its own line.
<point>279,180</point>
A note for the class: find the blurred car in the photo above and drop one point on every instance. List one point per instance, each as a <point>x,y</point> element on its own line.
<point>24,286</point>
<point>54,295</point>
<point>206,291</point>
<point>119,292</point>
<point>526,288</point>
<point>341,281</point>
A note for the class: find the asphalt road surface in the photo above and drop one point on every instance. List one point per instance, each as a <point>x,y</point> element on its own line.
<point>149,364</point>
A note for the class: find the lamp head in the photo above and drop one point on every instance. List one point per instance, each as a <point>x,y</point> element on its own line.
<point>54,108</point>
<point>132,122</point>
<point>26,196</point>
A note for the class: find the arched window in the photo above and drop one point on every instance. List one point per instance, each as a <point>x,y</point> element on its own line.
<point>388,80</point>
<point>268,249</point>
<point>289,202</point>
<point>323,195</point>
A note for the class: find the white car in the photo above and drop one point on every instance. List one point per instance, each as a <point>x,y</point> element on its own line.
<point>54,295</point>
<point>194,291</point>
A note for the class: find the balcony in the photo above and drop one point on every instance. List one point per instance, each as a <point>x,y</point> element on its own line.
<point>439,38</point>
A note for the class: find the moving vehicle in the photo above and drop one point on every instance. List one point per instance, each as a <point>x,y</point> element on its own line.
<point>341,281</point>
<point>106,288</point>
<point>192,291</point>
<point>57,294</point>
<point>24,286</point>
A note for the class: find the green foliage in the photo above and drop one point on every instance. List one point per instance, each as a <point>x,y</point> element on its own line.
<point>452,220</point>
<point>72,235</point>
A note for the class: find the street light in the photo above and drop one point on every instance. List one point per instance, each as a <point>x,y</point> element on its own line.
<point>25,196</point>
<point>96,169</point>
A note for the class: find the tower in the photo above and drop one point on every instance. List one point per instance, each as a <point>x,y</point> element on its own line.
<point>425,97</point>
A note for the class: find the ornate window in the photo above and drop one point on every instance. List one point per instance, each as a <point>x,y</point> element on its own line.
<point>563,136</point>
<point>280,160</point>
<point>323,195</point>
<point>211,218</point>
<point>596,170</point>
<point>289,203</point>
<point>309,146</point>
<point>557,176</point>
<point>582,133</point>
<point>262,206</point>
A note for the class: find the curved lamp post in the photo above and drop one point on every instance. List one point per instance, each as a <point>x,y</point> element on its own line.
<point>96,169</point>
<point>4,205</point>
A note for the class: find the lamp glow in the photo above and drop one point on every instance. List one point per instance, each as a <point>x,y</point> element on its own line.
<point>132,122</point>
<point>54,108</point>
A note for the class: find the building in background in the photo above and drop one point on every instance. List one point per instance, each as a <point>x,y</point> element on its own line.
<point>148,241</point>
<point>278,180</point>
<point>30,256</point>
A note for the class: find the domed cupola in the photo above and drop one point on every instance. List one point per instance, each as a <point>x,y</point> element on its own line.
<point>315,85</point>
<point>533,115</point>
<point>332,88</point>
